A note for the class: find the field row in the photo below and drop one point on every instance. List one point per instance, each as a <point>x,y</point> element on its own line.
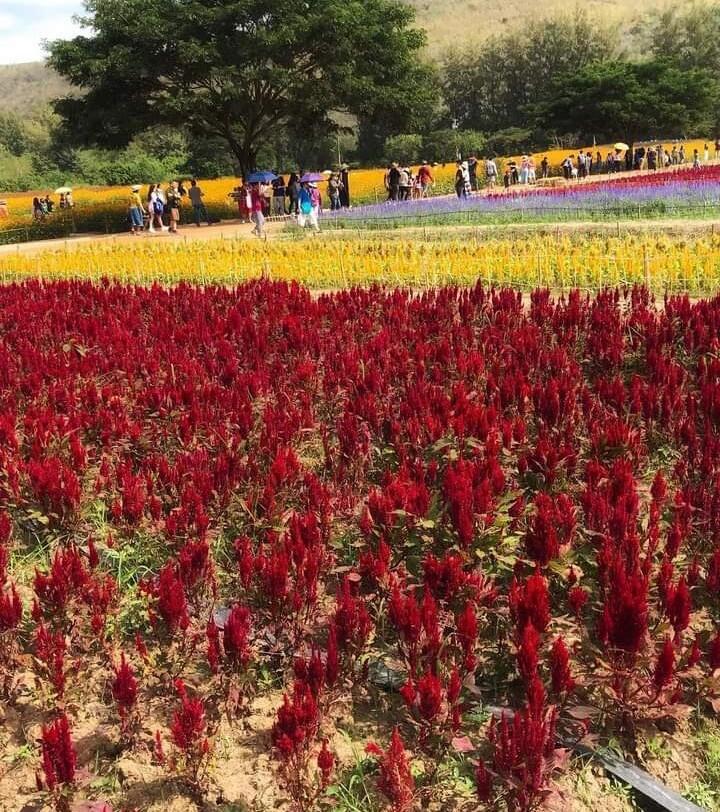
<point>664,264</point>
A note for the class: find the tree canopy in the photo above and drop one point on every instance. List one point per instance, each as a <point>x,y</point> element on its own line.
<point>616,99</point>
<point>240,70</point>
<point>490,87</point>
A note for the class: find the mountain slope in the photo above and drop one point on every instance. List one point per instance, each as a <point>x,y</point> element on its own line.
<point>28,87</point>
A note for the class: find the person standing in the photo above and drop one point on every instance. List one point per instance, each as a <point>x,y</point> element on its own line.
<point>257,204</point>
<point>196,196</point>
<point>135,210</point>
<point>278,198</point>
<point>159,207</point>
<point>696,159</point>
<point>69,202</point>
<point>49,204</point>
<point>425,179</point>
<point>681,154</point>
<point>174,204</point>
<point>405,183</point>
<point>706,154</point>
<point>544,167</point>
<point>472,171</point>
<point>460,188</point>
<point>293,192</point>
<point>334,189</point>
<point>393,182</point>
<point>491,172</point>
<point>37,209</point>
<point>345,186</point>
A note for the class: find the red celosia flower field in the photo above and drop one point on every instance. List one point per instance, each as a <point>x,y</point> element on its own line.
<point>211,496</point>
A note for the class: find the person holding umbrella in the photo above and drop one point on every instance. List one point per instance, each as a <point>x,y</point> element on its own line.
<point>310,205</point>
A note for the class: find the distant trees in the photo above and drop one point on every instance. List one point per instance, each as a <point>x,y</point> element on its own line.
<point>491,88</point>
<point>617,99</point>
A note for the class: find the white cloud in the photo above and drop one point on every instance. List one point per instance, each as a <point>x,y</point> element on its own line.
<point>30,22</point>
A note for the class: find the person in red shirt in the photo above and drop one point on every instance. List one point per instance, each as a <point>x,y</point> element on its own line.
<point>256,206</point>
<point>425,178</point>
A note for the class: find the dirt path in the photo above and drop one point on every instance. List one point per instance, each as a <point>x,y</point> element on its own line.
<point>228,229</point>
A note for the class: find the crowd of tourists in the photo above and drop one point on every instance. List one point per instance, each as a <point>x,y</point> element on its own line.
<point>43,207</point>
<point>159,210</point>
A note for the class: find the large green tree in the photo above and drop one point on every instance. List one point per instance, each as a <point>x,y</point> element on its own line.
<point>238,70</point>
<point>631,101</point>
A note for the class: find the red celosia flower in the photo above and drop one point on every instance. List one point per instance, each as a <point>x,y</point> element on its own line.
<point>326,762</point>
<point>58,753</point>
<point>530,602</point>
<point>351,619</point>
<point>430,696</point>
<point>124,686</point>
<point>577,598</point>
<point>562,681</point>
<point>188,724</point>
<point>714,652</point>
<point>170,601</point>
<point>395,781</point>
<point>483,782</point>
<point>665,666</point>
<point>527,654</point>
<point>236,636</point>
<point>467,631</point>
<point>297,721</point>
<point>10,609</point>
<point>50,650</point>
<point>212,634</point>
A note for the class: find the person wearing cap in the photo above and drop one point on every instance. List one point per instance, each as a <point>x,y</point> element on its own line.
<point>136,210</point>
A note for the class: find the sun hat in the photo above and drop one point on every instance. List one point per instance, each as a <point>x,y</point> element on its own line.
<point>135,187</point>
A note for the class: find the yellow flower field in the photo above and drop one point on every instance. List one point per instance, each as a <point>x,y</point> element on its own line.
<point>589,263</point>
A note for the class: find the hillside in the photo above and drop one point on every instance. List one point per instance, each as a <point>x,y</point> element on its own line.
<point>28,87</point>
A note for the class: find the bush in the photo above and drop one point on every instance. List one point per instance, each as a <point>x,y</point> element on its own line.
<point>404,148</point>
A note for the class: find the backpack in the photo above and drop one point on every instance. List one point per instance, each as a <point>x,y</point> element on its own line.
<point>158,206</point>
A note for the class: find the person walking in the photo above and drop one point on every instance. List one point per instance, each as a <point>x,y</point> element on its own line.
<point>460,188</point>
<point>196,195</point>
<point>37,209</point>
<point>425,179</point>
<point>257,205</point>
<point>681,154</point>
<point>696,159</point>
<point>706,154</point>
<point>136,210</point>
<point>174,205</point>
<point>310,205</point>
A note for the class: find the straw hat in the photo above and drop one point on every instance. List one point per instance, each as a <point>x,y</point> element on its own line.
<point>135,187</point>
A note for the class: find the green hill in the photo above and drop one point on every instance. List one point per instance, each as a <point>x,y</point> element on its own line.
<point>28,87</point>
